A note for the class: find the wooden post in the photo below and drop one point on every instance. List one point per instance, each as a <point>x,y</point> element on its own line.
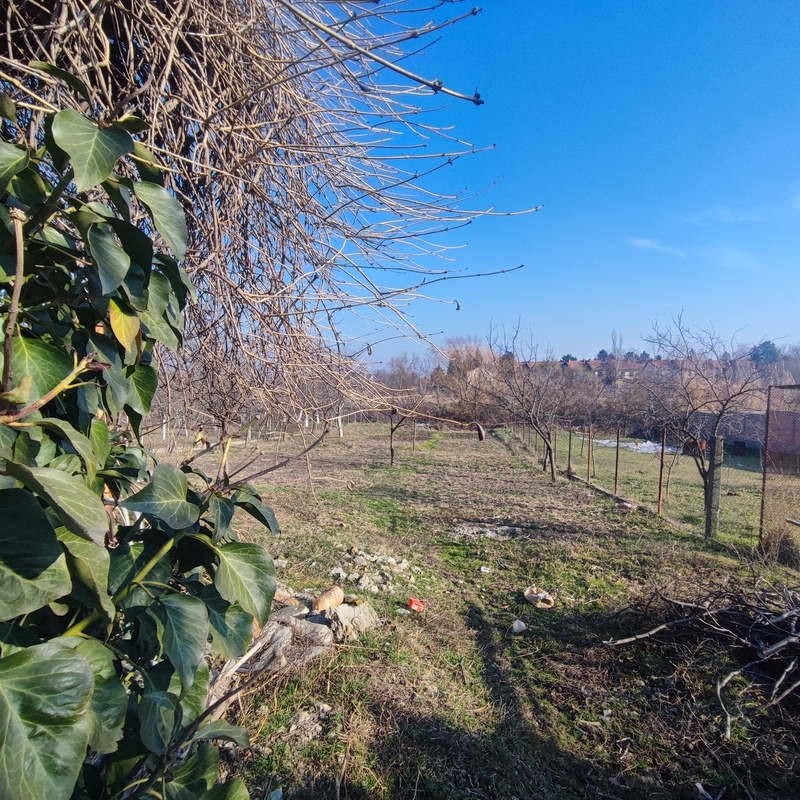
<point>616,466</point>
<point>555,448</point>
<point>414,443</point>
<point>661,471</point>
<point>391,439</point>
<point>589,457</point>
<point>714,490</point>
<point>569,453</point>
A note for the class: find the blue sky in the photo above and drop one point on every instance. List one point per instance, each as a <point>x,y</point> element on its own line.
<point>663,141</point>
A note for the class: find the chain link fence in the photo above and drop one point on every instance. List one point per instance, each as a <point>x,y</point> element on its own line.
<point>780,503</point>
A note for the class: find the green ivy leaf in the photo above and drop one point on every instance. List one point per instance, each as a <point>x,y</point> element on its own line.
<point>196,775</point>
<point>231,625</point>
<point>126,561</point>
<point>8,108</point>
<point>165,497</point>
<point>167,214</point>
<point>45,693</point>
<point>109,698</point>
<point>222,510</point>
<point>120,196</point>
<point>224,730</point>
<point>250,502</point>
<point>12,160</point>
<point>67,77</point>
<point>33,569</point>
<point>99,439</point>
<point>90,565</point>
<point>230,790</point>
<point>135,242</point>
<point>78,441</point>
<point>178,278</point>
<point>148,165</point>
<point>112,261</point>
<point>184,634</point>
<point>79,509</point>
<point>159,708</point>
<point>132,124</point>
<point>143,385</point>
<point>66,462</point>
<point>93,151</point>
<point>246,575</point>
<point>46,365</point>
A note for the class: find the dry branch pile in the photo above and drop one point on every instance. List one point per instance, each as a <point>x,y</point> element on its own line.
<point>297,138</point>
<point>760,630</point>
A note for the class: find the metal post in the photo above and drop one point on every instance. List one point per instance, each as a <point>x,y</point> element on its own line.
<point>569,453</point>
<point>616,466</point>
<point>661,470</point>
<point>765,455</point>
<point>589,457</point>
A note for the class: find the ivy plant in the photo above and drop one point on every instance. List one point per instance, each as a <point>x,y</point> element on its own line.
<point>120,577</point>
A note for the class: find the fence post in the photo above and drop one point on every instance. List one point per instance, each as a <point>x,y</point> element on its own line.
<point>661,470</point>
<point>555,448</point>
<point>764,462</point>
<point>589,457</point>
<point>616,466</point>
<point>569,454</point>
<point>714,488</point>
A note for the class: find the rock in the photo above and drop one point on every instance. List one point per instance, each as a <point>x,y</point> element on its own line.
<point>283,614</point>
<point>350,622</point>
<point>337,572</point>
<point>365,582</point>
<point>310,633</point>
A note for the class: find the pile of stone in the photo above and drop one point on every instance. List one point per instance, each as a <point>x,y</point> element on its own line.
<point>294,635</point>
<point>498,532</point>
<point>372,572</point>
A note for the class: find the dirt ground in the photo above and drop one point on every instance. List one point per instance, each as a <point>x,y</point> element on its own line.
<point>448,703</point>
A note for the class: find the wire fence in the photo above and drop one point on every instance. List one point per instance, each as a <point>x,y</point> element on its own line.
<point>780,509</point>
<point>634,471</point>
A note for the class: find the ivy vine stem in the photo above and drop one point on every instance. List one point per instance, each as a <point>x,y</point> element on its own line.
<point>125,591</point>
<point>18,218</point>
<point>61,386</point>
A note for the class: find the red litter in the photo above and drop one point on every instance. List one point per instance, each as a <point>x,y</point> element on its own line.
<point>416,605</point>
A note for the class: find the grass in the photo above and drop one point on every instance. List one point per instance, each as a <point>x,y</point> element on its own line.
<point>683,488</point>
<point>448,703</point>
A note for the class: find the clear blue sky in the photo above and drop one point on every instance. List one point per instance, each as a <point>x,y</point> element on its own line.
<point>663,141</point>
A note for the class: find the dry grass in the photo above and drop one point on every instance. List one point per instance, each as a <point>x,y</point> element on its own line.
<point>449,704</point>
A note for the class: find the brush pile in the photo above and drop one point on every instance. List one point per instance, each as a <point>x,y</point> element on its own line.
<point>760,631</point>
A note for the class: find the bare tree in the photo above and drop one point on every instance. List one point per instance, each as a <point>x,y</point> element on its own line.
<point>536,392</point>
<point>697,388</point>
<point>296,135</point>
